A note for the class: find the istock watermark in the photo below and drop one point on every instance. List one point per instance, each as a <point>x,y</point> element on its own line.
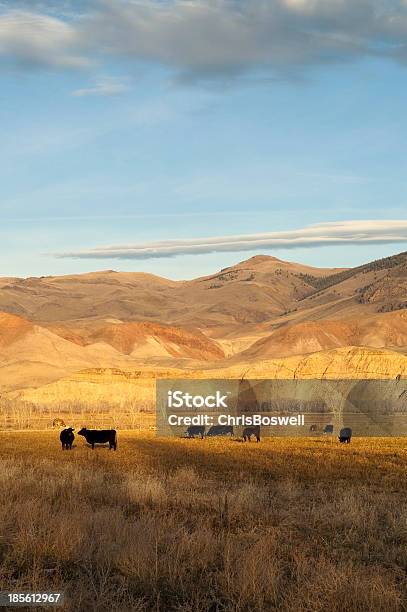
<point>178,399</point>
<point>211,407</point>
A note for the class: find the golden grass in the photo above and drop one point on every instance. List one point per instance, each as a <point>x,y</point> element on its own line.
<point>206,525</point>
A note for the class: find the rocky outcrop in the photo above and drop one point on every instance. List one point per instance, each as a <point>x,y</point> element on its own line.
<point>120,387</point>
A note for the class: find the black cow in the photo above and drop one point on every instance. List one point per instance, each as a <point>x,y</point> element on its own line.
<point>195,430</point>
<point>220,430</point>
<point>99,436</point>
<point>328,429</point>
<point>253,430</point>
<point>67,437</point>
<point>345,435</point>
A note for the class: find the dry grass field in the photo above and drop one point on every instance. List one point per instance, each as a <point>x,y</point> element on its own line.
<point>212,525</point>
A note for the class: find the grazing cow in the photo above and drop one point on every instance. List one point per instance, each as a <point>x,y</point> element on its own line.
<point>67,437</point>
<point>328,429</point>
<point>195,430</point>
<point>248,432</point>
<point>99,436</point>
<point>58,423</point>
<point>220,430</point>
<point>345,435</point>
<point>313,428</point>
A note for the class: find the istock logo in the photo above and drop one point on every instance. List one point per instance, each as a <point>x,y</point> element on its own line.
<point>178,399</point>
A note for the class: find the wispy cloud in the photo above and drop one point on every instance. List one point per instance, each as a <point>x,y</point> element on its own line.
<point>322,234</point>
<point>105,86</point>
<point>208,39</point>
<point>32,39</point>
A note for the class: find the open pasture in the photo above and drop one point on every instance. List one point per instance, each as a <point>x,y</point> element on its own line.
<point>206,525</point>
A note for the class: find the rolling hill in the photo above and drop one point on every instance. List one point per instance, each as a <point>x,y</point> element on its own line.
<point>143,339</point>
<point>32,355</point>
<point>258,310</point>
<point>379,331</point>
<point>250,292</point>
<point>253,291</point>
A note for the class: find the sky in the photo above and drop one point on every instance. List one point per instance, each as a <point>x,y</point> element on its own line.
<point>180,137</point>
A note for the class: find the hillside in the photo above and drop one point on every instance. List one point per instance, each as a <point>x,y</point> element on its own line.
<point>379,331</point>
<point>137,386</point>
<point>254,291</point>
<point>249,292</point>
<point>12,329</point>
<point>143,339</point>
<point>379,286</point>
<point>32,355</point>
<point>100,294</point>
<point>260,309</point>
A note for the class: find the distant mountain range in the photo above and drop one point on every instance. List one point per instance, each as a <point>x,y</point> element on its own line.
<point>260,309</point>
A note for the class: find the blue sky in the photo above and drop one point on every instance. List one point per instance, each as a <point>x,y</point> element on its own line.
<point>185,137</point>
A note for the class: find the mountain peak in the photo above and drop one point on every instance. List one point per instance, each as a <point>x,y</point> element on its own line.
<point>255,260</point>
<point>261,258</point>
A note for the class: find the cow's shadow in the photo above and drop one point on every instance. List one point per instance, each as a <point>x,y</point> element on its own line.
<point>97,446</point>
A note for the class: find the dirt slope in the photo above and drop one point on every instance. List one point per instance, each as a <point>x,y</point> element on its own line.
<point>138,385</point>
<point>144,339</point>
<point>12,329</point>
<point>382,330</point>
<point>31,354</point>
